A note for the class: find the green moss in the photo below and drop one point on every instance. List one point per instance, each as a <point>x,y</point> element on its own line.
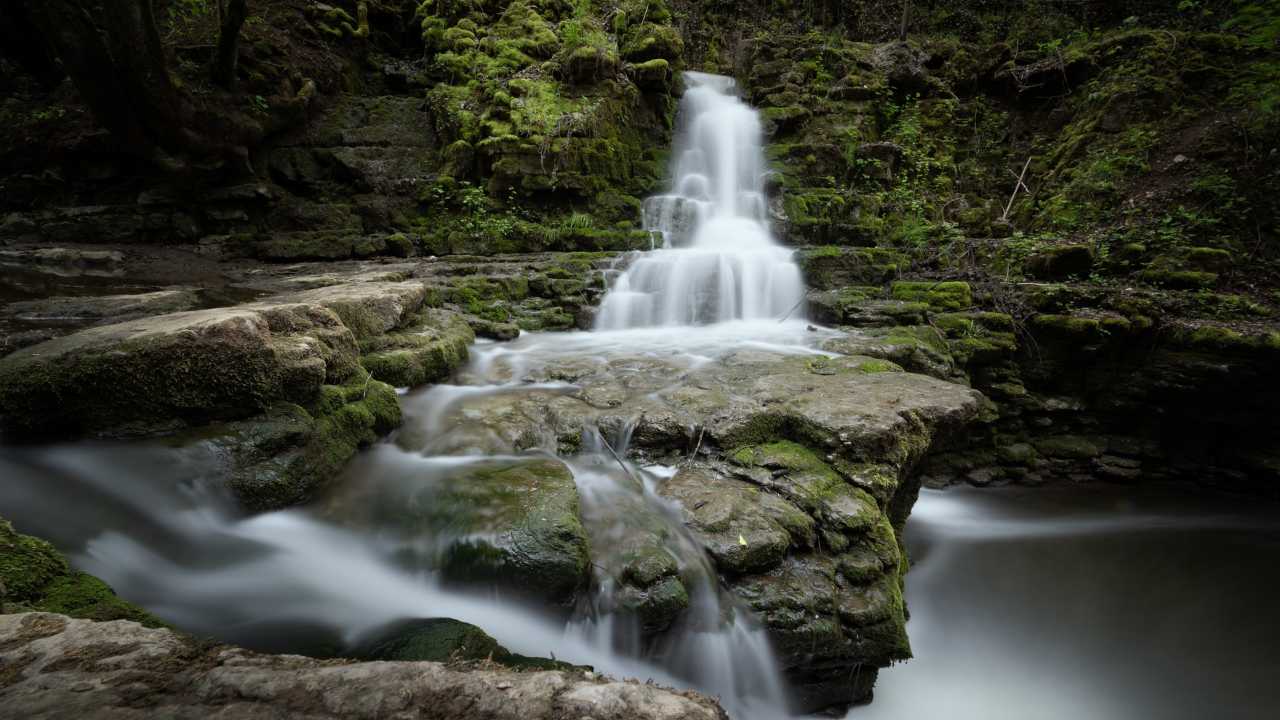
<point>1190,279</point>
<point>35,576</point>
<point>950,295</point>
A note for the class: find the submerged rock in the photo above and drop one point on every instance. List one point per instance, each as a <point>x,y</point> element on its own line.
<point>510,525</point>
<point>56,666</point>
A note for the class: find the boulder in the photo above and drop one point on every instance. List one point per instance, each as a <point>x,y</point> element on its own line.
<point>511,525</point>
<point>432,347</point>
<point>188,367</point>
<point>448,641</point>
<point>57,666</point>
<point>1060,263</point>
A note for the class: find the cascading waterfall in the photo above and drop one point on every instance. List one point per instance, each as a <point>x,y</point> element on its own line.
<point>718,260</point>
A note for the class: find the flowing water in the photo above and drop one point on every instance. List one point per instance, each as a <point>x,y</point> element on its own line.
<point>1007,619</point>
<point>718,260</point>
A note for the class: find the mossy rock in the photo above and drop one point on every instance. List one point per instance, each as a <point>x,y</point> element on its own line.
<point>289,454</point>
<point>427,351</point>
<point>1180,279</point>
<point>165,371</point>
<point>947,295</point>
<point>512,526</point>
<point>447,641</point>
<point>36,577</point>
<point>1060,263</point>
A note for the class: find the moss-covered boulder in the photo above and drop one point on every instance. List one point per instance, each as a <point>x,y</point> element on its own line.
<point>513,526</point>
<point>290,453</point>
<point>35,576</point>
<point>947,295</point>
<point>429,349</point>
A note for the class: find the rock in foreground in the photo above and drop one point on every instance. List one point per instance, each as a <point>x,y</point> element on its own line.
<point>57,667</point>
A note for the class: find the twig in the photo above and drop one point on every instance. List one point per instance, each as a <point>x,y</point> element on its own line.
<point>701,431</point>
<point>793,307</point>
<point>1016,188</point>
<point>621,464</point>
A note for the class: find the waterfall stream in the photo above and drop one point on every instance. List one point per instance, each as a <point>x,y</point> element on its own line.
<point>718,260</point>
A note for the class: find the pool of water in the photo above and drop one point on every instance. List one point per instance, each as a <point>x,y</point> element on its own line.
<point>1093,602</point>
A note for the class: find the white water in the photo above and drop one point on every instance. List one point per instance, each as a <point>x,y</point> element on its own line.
<point>718,261</point>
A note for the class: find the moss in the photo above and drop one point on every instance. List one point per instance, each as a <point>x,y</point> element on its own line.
<point>428,351</point>
<point>35,576</point>
<point>951,295</point>
<point>27,565</point>
<point>1189,279</point>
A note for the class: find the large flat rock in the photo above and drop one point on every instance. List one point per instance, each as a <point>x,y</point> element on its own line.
<point>58,667</point>
<point>186,367</point>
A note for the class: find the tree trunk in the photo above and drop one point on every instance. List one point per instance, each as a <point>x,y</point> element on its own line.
<point>227,55</point>
<point>74,35</point>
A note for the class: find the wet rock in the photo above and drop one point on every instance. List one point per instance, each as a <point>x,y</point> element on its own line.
<point>741,528</point>
<point>97,309</point>
<point>511,525</point>
<point>917,348</point>
<point>288,454</point>
<point>61,666</point>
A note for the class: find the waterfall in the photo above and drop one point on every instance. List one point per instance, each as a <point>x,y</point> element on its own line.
<point>718,261</point>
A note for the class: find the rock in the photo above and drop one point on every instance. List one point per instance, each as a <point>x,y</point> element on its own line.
<point>288,454</point>
<point>511,525</point>
<point>1062,262</point>
<point>97,309</point>
<point>431,348</point>
<point>68,261</point>
<point>57,666</point>
<point>367,308</point>
<point>189,367</point>
<point>886,156</point>
<point>35,576</point>
<point>942,295</point>
<point>903,65</point>
<point>743,530</point>
<point>448,641</point>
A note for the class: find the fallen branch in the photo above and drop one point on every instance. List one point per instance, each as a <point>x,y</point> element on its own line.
<point>621,464</point>
<point>1016,188</point>
<point>793,307</point>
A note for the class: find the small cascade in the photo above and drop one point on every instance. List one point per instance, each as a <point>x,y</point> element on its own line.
<point>719,261</point>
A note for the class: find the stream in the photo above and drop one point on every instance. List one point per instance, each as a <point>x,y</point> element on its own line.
<point>1088,602</point>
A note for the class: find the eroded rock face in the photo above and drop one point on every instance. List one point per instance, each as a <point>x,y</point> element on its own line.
<point>57,667</point>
